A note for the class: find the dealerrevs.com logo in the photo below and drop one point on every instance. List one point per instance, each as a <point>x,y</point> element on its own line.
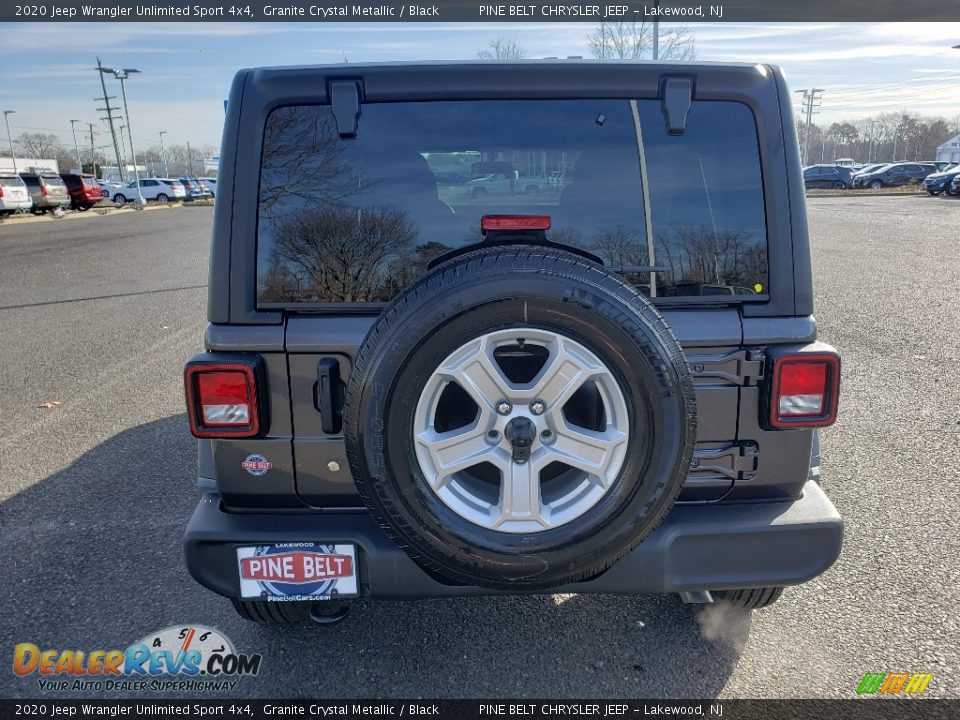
<point>181,658</point>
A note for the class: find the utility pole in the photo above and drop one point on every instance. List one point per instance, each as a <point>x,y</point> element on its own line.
<point>109,118</point>
<point>122,76</point>
<point>811,99</point>
<point>870,151</point>
<point>93,152</point>
<point>189,159</point>
<point>163,155</point>
<point>73,129</point>
<point>13,156</point>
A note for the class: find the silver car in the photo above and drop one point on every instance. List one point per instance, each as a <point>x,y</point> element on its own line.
<point>14,195</point>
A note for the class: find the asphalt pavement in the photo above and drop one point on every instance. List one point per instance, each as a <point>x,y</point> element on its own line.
<point>97,316</point>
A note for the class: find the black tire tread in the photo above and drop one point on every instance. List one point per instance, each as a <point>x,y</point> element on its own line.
<point>751,598</point>
<point>521,258</point>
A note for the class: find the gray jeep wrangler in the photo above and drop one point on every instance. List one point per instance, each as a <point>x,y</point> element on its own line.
<point>509,328</point>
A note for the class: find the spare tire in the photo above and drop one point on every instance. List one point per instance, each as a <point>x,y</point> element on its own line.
<point>519,419</point>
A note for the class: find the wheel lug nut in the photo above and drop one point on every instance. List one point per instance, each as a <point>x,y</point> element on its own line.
<point>504,407</point>
<point>546,434</point>
<point>493,434</point>
<point>537,407</point>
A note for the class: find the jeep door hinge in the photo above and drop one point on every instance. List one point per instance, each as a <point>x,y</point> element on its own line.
<point>737,462</point>
<point>740,367</point>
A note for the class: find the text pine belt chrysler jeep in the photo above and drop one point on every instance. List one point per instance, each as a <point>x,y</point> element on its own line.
<point>482,328</point>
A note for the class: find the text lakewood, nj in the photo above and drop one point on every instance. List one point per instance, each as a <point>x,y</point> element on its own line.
<point>361,11</point>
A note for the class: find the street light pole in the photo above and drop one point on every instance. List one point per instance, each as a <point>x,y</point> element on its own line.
<point>73,129</point>
<point>163,155</point>
<point>122,76</point>
<point>6,119</point>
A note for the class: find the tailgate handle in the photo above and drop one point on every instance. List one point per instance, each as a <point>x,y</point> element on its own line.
<point>328,395</point>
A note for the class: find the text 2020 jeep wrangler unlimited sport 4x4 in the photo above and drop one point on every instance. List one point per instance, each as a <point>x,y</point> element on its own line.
<point>604,377</point>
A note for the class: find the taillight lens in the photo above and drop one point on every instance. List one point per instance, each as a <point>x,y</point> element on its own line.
<point>515,222</point>
<point>43,190</point>
<point>222,400</point>
<point>805,390</point>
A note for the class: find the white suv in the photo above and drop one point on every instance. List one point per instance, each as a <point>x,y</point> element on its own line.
<point>159,189</point>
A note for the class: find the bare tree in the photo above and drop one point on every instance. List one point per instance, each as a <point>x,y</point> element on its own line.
<point>38,145</point>
<point>502,48</point>
<point>337,254</point>
<point>633,40</point>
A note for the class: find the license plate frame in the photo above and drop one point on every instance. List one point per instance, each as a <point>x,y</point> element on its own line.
<point>298,571</point>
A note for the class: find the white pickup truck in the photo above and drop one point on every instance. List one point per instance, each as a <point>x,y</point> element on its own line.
<point>506,183</point>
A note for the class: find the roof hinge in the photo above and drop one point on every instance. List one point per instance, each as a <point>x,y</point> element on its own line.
<point>345,98</point>
<point>676,98</point>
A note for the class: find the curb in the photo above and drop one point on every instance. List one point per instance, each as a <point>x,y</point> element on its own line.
<point>92,212</point>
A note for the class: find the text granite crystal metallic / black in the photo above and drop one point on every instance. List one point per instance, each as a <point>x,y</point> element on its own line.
<point>509,328</point>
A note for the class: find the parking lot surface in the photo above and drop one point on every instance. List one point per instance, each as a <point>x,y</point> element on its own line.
<point>95,491</point>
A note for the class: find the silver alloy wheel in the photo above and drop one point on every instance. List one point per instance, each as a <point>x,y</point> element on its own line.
<point>475,469</point>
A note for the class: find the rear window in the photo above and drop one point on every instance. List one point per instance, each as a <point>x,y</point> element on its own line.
<point>357,221</point>
<point>11,181</point>
<point>52,180</point>
<point>90,182</point>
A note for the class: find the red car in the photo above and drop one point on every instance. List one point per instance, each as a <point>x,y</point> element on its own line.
<point>84,190</point>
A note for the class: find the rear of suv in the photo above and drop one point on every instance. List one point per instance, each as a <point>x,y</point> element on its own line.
<point>414,390</point>
<point>14,196</point>
<point>84,190</point>
<point>47,190</point>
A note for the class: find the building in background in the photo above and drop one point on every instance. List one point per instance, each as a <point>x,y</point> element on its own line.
<point>29,165</point>
<point>950,150</point>
<point>111,173</point>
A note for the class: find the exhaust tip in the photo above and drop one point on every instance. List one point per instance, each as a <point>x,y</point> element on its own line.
<point>322,613</point>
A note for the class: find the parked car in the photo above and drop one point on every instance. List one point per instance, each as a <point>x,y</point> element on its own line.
<point>954,186</point>
<point>837,177</point>
<point>196,190</point>
<point>845,162</point>
<point>84,190</point>
<point>869,168</point>
<point>14,195</point>
<point>211,183</point>
<point>894,175</point>
<point>160,189</point>
<point>940,182</point>
<point>495,405</point>
<point>941,165</point>
<point>47,190</point>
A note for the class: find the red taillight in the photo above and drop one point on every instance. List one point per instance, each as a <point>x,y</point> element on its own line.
<point>1,190</point>
<point>515,222</point>
<point>222,400</point>
<point>805,390</point>
<point>43,190</point>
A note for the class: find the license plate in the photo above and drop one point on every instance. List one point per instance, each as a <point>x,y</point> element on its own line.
<point>297,571</point>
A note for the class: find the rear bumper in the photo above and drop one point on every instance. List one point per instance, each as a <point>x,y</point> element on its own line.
<point>698,547</point>
<point>15,204</point>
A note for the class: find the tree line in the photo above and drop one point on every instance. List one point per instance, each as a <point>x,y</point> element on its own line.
<point>48,146</point>
<point>886,137</point>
